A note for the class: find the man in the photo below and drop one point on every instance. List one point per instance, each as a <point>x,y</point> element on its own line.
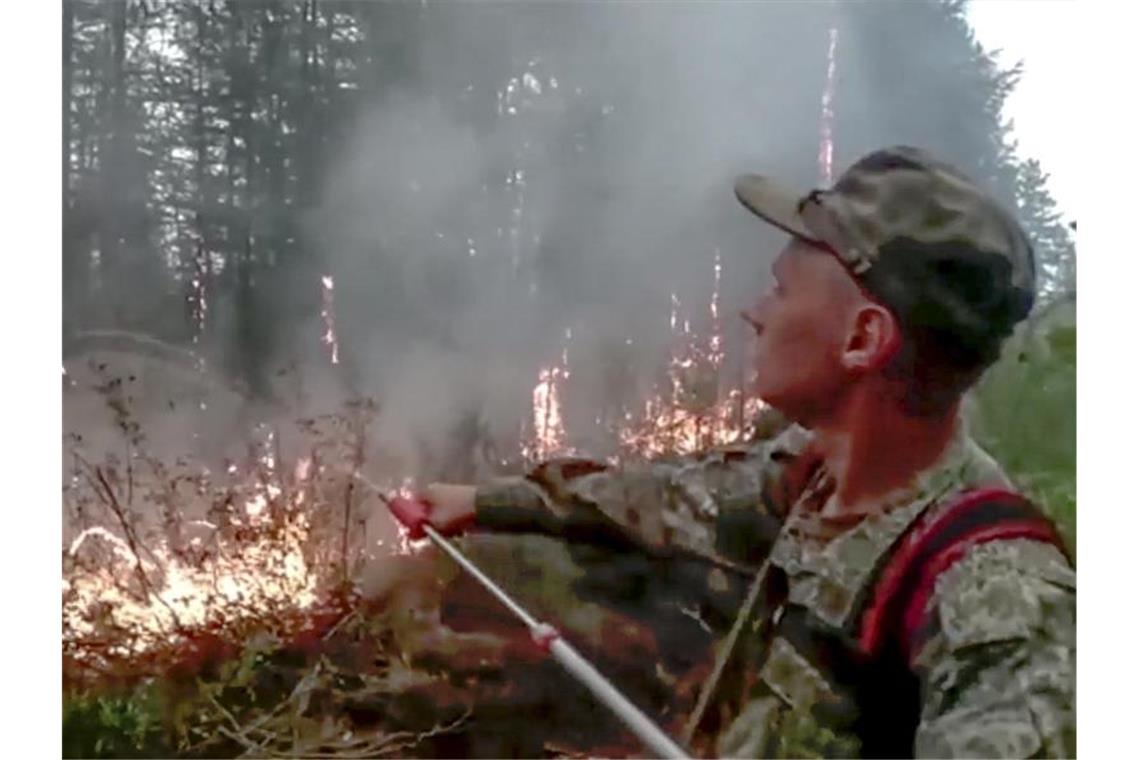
<point>912,603</point>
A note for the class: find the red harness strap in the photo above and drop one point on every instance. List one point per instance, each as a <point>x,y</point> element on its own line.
<point>932,545</point>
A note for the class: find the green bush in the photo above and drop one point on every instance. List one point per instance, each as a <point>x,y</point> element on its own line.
<point>113,725</point>
<point>1024,413</point>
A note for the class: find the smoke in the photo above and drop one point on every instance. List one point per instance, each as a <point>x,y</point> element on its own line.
<point>538,179</point>
<point>483,212</point>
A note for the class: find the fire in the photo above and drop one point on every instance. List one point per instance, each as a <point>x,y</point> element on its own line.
<point>268,570</point>
<point>329,338</point>
<point>716,340</point>
<point>690,412</point>
<point>549,429</point>
<point>261,560</point>
<point>404,543</point>
<point>827,116</point>
<point>199,304</point>
<point>693,413</point>
<point>666,429</point>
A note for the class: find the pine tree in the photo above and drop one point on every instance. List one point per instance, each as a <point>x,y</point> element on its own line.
<point>201,135</point>
<point>922,78</point>
<point>1052,238</point>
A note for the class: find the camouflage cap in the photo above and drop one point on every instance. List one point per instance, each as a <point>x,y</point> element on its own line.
<point>915,232</point>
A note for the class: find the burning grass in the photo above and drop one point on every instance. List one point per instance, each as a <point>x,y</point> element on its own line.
<point>215,612</point>
<point>164,556</point>
<point>200,608</point>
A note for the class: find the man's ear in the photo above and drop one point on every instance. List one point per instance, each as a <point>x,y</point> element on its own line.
<point>873,338</point>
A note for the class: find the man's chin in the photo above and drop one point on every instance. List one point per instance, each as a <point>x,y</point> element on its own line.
<point>793,412</point>
<point>773,398</point>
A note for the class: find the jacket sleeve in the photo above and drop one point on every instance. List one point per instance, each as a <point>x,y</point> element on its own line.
<point>724,501</point>
<point>998,672</point>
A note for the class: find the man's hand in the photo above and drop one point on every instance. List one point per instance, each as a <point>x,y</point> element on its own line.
<point>452,507</point>
<point>447,507</point>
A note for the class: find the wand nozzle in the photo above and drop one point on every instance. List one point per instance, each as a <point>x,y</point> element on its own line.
<point>414,515</point>
<point>410,513</point>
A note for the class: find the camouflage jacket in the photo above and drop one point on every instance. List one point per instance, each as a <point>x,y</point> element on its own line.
<point>996,675</point>
<point>723,504</point>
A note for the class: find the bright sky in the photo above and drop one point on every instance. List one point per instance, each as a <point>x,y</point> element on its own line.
<point>1038,33</point>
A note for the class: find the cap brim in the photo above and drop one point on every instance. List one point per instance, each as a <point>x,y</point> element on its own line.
<point>773,203</point>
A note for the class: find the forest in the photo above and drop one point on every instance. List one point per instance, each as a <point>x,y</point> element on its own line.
<point>444,241</point>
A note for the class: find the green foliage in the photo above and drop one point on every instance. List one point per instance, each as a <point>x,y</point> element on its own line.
<point>1052,238</point>
<point>1025,413</point>
<point>113,725</point>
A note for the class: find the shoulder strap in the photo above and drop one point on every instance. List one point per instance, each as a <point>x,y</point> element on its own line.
<point>934,543</point>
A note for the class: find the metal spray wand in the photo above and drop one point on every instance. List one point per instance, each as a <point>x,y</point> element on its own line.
<point>413,515</point>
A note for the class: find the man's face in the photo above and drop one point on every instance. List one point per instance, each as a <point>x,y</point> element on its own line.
<point>800,325</point>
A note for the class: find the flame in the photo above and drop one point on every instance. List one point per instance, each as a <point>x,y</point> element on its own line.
<point>827,116</point>
<point>118,545</point>
<point>260,563</point>
<point>269,571</point>
<point>716,339</point>
<point>665,429</point>
<point>688,413</point>
<point>549,431</point>
<point>199,303</point>
<point>260,560</point>
<point>692,413</point>
<point>404,543</point>
<point>327,316</point>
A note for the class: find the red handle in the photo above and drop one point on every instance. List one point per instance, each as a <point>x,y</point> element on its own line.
<point>545,635</point>
<point>412,514</point>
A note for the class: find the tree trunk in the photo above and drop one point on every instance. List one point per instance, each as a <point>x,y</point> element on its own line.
<point>248,347</point>
<point>306,163</point>
<point>111,158</point>
<point>201,265</point>
<point>68,34</point>
<point>72,253</point>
